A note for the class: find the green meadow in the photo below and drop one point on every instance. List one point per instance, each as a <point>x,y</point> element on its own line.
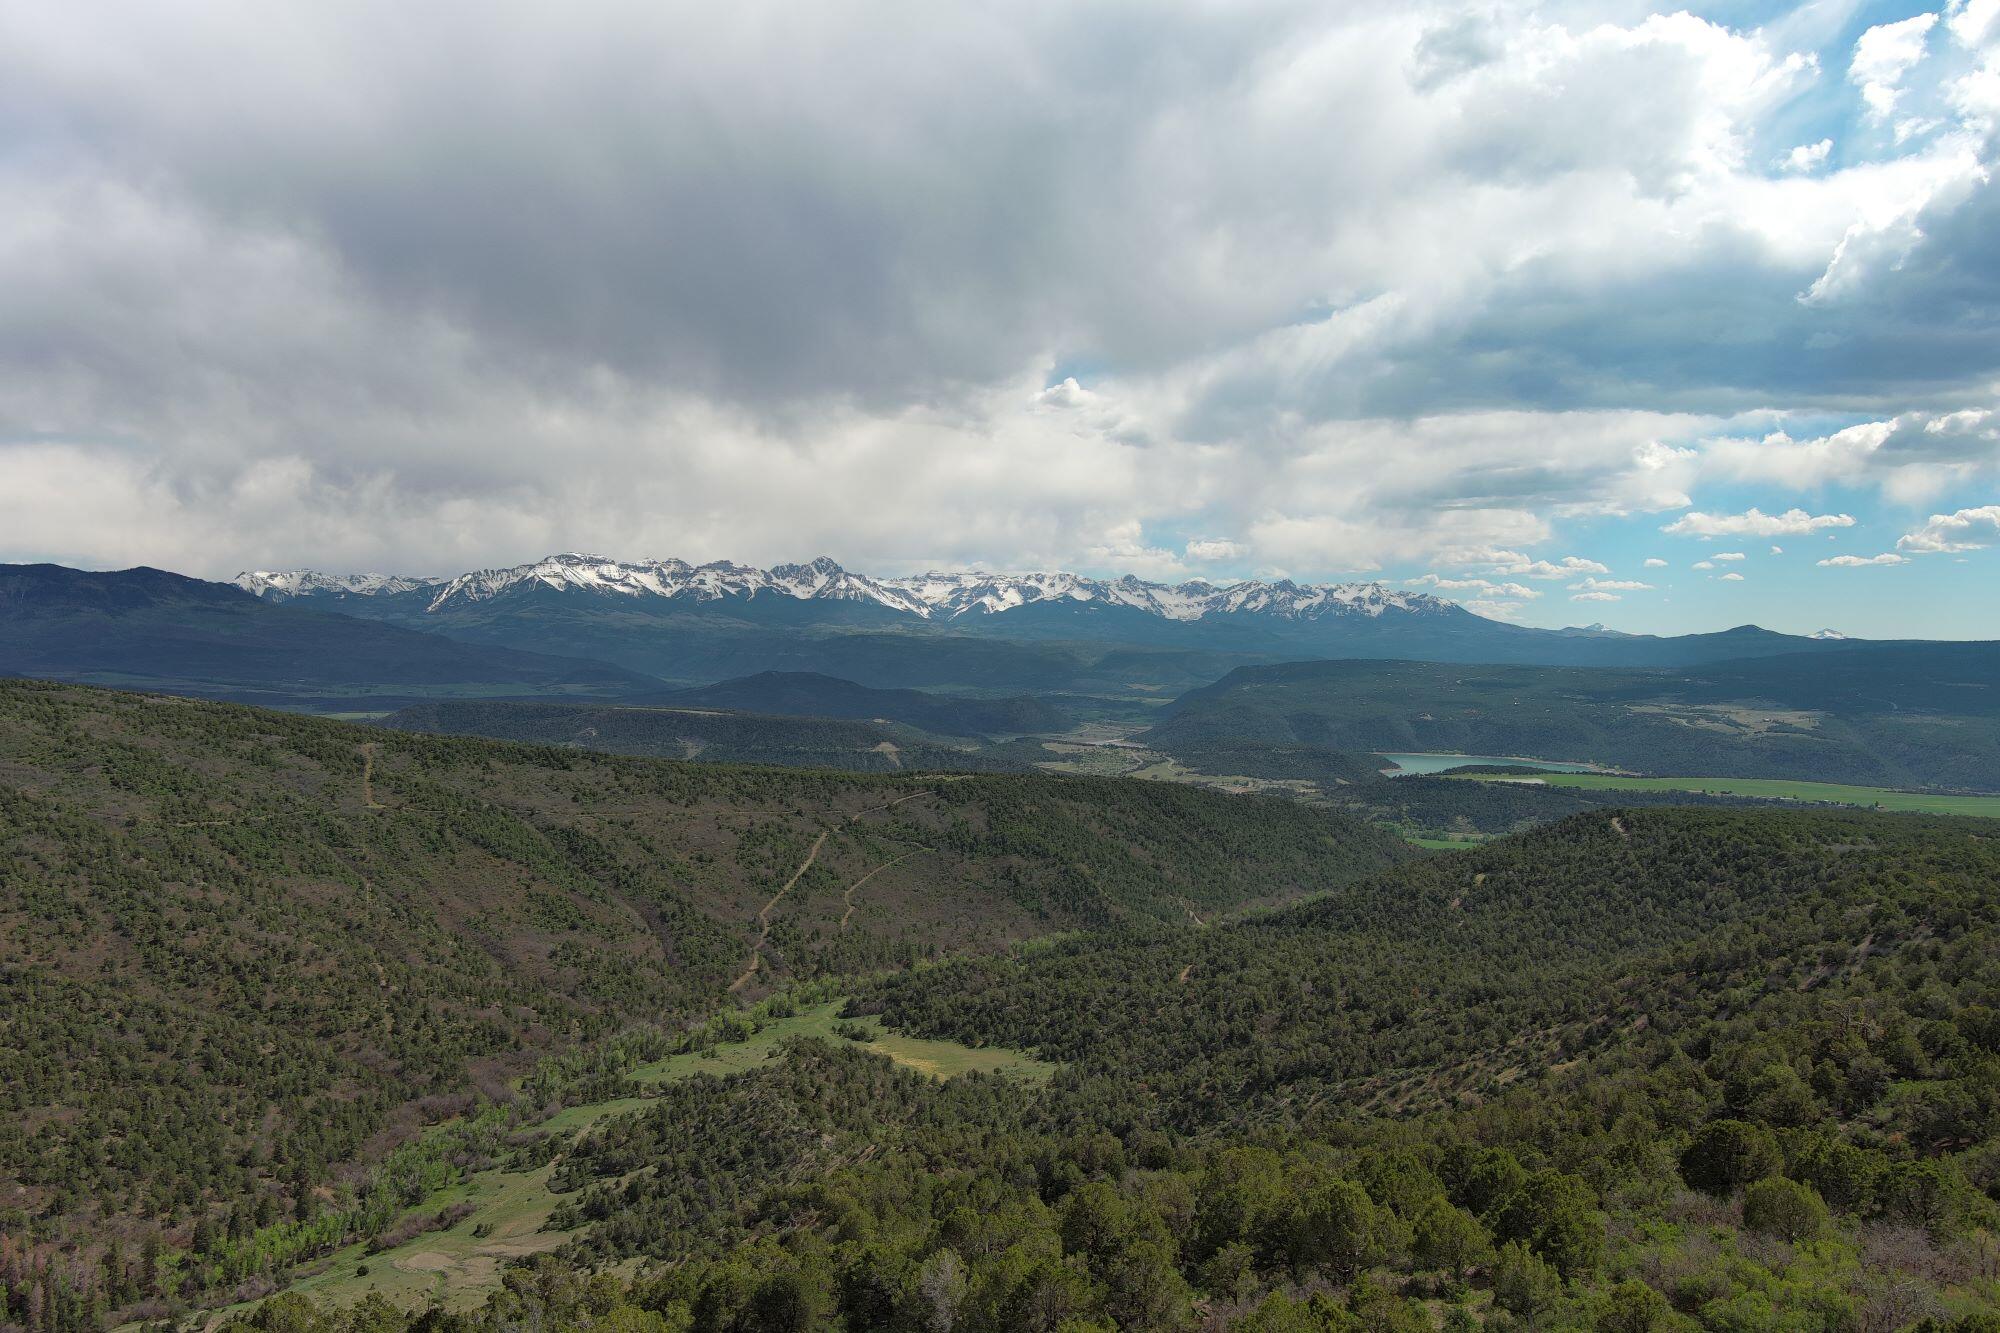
<point>458,1265</point>
<point>1877,798</point>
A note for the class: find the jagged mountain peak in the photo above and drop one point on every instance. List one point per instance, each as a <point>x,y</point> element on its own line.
<point>281,584</point>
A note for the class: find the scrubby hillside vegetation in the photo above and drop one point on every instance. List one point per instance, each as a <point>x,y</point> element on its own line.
<point>1638,1070</point>
<point>243,953</point>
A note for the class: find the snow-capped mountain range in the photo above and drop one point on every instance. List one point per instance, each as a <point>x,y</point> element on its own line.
<point>932,596</point>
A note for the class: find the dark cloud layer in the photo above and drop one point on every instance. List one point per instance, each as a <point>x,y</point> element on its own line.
<point>425,286</point>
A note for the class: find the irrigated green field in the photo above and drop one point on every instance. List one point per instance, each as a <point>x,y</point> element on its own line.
<point>1878,798</point>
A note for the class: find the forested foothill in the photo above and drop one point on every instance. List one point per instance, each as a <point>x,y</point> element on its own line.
<point>1897,715</point>
<point>247,954</point>
<point>1638,1068</point>
<point>706,735</point>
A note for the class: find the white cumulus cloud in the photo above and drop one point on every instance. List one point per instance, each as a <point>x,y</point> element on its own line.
<point>1807,157</point>
<point>1214,548</point>
<point>1882,56</point>
<point>1909,457</point>
<point>1493,609</point>
<point>1965,530</point>
<point>1516,563</point>
<point>1492,589</point>
<point>1860,561</point>
<point>1755,523</point>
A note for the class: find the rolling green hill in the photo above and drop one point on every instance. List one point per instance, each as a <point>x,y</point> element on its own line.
<point>1271,759</point>
<point>1569,932</point>
<point>273,986</point>
<point>1458,807</point>
<point>809,694</point>
<point>241,951</point>
<point>147,629</point>
<point>1799,717</point>
<point>1612,788</point>
<point>1655,1070</point>
<point>703,734</point>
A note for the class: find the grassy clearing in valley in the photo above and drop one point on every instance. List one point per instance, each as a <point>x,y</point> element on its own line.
<point>1461,844</point>
<point>1880,798</point>
<point>947,1059</point>
<point>939,1059</point>
<point>459,1265</point>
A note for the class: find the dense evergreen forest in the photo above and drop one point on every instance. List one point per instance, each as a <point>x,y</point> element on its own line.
<point>1661,1068</point>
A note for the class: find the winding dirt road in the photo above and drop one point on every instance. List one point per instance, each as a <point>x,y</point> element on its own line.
<point>764,916</point>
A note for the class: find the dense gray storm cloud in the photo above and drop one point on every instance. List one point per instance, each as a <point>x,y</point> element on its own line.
<point>1170,288</point>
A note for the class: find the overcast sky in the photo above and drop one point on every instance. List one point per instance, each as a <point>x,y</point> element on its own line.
<point>1574,312</point>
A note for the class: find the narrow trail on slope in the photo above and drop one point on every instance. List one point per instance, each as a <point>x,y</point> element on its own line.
<point>764,916</point>
<point>368,778</point>
<point>368,800</point>
<point>889,804</point>
<point>848,896</point>
<point>756,962</point>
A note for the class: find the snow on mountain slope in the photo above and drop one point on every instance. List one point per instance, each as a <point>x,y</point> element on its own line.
<point>307,582</point>
<point>1828,634</point>
<point>933,596</point>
